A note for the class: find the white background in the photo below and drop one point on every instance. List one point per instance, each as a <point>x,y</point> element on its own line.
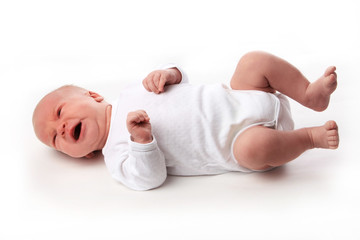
<point>103,45</point>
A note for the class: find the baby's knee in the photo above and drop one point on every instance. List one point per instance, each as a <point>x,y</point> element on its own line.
<point>248,152</point>
<point>254,57</point>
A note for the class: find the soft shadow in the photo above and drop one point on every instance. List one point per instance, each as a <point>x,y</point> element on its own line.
<point>274,174</point>
<point>171,181</point>
<point>96,160</point>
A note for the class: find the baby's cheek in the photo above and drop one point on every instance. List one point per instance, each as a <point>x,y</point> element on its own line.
<point>68,149</point>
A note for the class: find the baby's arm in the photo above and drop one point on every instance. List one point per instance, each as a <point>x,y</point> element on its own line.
<point>141,166</point>
<point>157,79</point>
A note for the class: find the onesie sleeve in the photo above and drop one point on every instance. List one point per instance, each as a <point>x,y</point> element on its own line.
<point>141,167</point>
<point>184,77</point>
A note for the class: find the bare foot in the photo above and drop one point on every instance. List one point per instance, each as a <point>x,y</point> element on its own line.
<point>325,136</point>
<point>318,93</point>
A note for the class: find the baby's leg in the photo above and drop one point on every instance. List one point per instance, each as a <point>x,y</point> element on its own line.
<point>266,72</point>
<point>274,148</point>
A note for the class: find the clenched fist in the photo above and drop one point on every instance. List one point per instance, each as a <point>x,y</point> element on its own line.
<point>156,80</point>
<point>139,127</point>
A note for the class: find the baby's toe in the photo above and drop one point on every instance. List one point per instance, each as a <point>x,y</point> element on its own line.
<point>329,125</point>
<point>333,144</point>
<point>330,70</point>
<point>333,139</point>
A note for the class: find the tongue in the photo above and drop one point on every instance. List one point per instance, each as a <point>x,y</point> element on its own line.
<point>77,131</point>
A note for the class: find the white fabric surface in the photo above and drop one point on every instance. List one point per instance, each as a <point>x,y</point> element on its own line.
<point>193,126</point>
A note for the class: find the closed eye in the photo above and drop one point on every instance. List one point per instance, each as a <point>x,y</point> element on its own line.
<point>59,112</point>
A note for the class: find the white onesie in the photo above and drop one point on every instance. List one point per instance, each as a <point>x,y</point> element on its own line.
<point>193,129</point>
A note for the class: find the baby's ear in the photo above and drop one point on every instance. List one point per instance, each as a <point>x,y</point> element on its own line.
<point>97,97</point>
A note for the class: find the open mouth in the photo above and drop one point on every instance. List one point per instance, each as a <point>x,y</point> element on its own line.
<point>77,131</point>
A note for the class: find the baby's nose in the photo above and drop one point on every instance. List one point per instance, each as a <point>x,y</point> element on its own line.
<point>61,129</point>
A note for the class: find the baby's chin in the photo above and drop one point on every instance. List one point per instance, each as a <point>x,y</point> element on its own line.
<point>78,155</point>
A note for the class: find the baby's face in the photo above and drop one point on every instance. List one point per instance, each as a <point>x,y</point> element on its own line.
<point>73,121</point>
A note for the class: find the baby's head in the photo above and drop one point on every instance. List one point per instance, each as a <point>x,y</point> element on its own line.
<point>72,120</point>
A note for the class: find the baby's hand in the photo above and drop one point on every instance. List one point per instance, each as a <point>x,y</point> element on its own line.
<point>156,80</point>
<point>139,127</point>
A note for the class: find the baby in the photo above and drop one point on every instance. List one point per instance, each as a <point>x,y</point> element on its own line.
<point>168,126</point>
